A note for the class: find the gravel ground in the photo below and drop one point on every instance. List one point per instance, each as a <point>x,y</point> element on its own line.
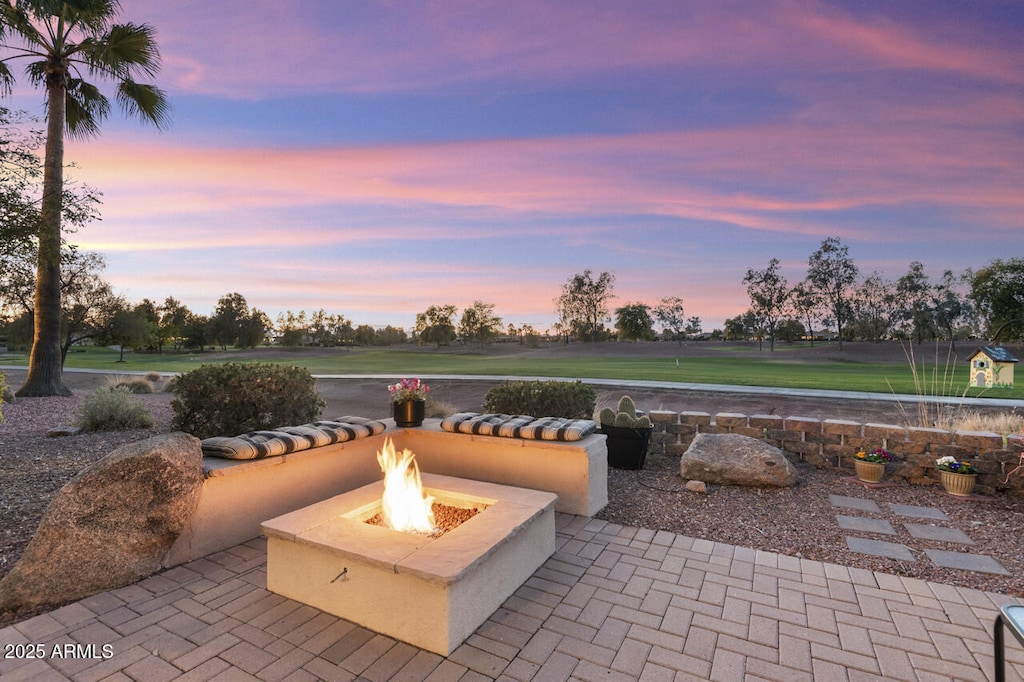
<point>798,521</point>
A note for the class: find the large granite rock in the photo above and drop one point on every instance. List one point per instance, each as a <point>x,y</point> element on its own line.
<point>111,525</point>
<point>731,459</point>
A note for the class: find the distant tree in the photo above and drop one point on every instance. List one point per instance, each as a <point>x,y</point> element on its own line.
<point>790,330</point>
<point>196,331</point>
<point>87,301</point>
<point>152,339</point>
<point>233,324</point>
<point>173,319</point>
<point>127,326</point>
<point>63,41</point>
<point>805,304</point>
<point>478,323</point>
<point>833,273</point>
<point>85,296</point>
<point>583,305</point>
<point>435,325</point>
<point>875,307</point>
<point>253,329</point>
<point>740,328</point>
<point>528,335</point>
<point>389,336</point>
<point>997,291</point>
<point>633,322</point>
<point>365,335</point>
<point>914,294</point>
<point>671,316</point>
<point>694,326</point>
<point>950,305</point>
<point>291,328</point>
<point>769,296</point>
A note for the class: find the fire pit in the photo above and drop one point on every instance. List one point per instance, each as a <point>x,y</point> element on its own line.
<point>431,592</point>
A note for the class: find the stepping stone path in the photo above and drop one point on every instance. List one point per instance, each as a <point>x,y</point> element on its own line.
<point>881,528</point>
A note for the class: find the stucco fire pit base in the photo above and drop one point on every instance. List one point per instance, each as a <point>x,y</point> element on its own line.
<point>431,593</point>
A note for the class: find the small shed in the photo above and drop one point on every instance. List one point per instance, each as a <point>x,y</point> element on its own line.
<point>992,366</point>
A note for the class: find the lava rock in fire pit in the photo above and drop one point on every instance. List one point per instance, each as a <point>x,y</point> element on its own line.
<point>111,525</point>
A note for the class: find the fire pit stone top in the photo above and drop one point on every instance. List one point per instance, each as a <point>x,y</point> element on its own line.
<point>337,526</point>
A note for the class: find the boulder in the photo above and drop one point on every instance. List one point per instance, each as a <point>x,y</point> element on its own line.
<point>732,459</point>
<point>111,525</point>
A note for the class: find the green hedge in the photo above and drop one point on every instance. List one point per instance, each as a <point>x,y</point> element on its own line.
<point>574,400</point>
<point>238,397</point>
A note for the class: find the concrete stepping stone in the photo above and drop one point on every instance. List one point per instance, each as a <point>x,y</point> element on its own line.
<point>918,512</point>
<point>981,563</point>
<point>938,533</point>
<point>861,524</point>
<point>858,503</point>
<point>891,550</point>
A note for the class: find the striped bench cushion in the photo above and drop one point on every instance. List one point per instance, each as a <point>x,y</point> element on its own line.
<point>519,426</point>
<point>288,439</point>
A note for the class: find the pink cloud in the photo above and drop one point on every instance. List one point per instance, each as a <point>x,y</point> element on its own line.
<point>274,48</point>
<point>785,172</point>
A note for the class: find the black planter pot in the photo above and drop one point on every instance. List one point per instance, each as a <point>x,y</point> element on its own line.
<point>410,412</point>
<point>627,447</point>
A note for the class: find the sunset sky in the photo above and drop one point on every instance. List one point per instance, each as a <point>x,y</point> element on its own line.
<point>375,158</point>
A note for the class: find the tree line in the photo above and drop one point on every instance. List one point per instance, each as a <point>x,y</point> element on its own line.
<point>986,303</point>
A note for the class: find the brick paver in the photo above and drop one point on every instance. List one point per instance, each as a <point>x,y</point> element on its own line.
<point>613,603</point>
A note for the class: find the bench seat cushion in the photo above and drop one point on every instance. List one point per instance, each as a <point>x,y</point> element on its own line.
<point>519,426</point>
<point>288,439</point>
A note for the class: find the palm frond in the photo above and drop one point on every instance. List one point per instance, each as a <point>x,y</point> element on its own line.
<point>147,102</point>
<point>86,107</point>
<point>6,79</point>
<point>125,51</point>
<point>36,73</point>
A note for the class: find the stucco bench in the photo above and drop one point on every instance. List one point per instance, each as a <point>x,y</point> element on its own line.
<point>238,495</point>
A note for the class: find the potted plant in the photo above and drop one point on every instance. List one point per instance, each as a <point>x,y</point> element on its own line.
<point>957,477</point>
<point>409,401</point>
<point>870,466</point>
<point>627,434</point>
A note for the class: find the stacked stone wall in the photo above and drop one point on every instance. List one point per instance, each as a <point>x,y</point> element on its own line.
<point>833,442</point>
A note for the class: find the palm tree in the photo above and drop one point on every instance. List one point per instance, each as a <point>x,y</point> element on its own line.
<point>65,41</point>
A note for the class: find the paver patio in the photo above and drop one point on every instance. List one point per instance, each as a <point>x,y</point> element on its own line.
<point>613,603</point>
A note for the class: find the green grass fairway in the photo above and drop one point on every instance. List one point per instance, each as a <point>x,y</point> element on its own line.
<point>781,369</point>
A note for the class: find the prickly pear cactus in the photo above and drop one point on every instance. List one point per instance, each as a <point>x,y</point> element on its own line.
<point>643,422</point>
<point>606,415</point>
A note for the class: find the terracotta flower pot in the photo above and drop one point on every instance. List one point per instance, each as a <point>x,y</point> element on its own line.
<point>869,472</point>
<point>410,412</point>
<point>961,485</point>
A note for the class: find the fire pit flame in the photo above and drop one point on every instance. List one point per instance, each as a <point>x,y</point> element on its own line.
<point>404,505</point>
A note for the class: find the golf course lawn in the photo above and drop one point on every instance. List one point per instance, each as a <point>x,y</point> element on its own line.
<point>884,368</point>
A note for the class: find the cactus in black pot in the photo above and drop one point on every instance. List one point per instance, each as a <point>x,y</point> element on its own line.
<point>628,434</point>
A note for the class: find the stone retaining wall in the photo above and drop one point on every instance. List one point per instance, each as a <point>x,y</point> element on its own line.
<point>833,442</point>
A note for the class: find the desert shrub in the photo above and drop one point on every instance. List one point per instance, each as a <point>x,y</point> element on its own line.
<point>112,409</point>
<point>238,397</point>
<point>3,392</point>
<point>574,400</point>
<point>439,409</point>
<point>131,384</point>
<point>154,377</point>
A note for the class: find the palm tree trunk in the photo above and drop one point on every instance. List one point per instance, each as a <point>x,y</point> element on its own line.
<point>45,369</point>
